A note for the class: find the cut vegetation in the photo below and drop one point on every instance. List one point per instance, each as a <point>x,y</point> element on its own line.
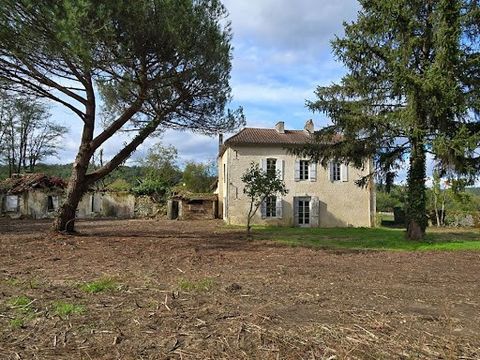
<point>199,290</point>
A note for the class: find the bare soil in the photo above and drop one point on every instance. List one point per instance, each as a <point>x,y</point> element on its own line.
<point>196,290</point>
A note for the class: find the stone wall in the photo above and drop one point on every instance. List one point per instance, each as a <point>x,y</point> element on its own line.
<point>146,207</point>
<point>107,204</point>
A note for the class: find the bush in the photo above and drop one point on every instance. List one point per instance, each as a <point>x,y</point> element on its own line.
<point>462,219</point>
<point>119,185</point>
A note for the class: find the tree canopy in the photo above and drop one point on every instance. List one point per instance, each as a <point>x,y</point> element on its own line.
<point>27,134</point>
<point>154,64</point>
<point>412,89</point>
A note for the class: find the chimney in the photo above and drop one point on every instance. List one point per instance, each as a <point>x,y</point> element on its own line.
<point>280,127</point>
<point>220,142</point>
<point>309,127</point>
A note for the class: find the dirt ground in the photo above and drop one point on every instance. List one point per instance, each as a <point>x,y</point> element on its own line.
<point>196,290</point>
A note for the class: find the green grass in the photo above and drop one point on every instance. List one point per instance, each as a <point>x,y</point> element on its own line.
<point>371,238</point>
<point>21,303</point>
<point>196,285</point>
<point>11,281</point>
<point>62,309</point>
<point>24,311</point>
<point>17,322</point>
<point>100,285</point>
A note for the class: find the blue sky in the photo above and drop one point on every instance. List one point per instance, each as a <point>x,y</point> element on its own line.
<point>281,53</point>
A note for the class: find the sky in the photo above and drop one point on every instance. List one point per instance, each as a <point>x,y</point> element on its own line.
<point>281,53</point>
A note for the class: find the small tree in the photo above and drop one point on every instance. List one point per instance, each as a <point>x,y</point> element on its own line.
<point>198,177</point>
<point>259,185</point>
<point>161,172</point>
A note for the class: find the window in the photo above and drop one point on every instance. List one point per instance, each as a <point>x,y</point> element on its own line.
<point>11,203</point>
<point>272,167</point>
<point>336,172</point>
<point>271,206</point>
<point>50,205</point>
<point>304,165</point>
<point>224,173</point>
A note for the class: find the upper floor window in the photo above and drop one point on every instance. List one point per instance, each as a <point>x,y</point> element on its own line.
<point>272,167</point>
<point>304,167</point>
<point>336,171</point>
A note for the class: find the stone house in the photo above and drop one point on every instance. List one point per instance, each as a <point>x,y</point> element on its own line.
<point>317,197</point>
<point>39,196</point>
<point>32,195</point>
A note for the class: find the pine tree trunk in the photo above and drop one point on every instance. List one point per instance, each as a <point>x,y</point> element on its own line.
<point>65,221</point>
<point>416,200</point>
<point>77,186</point>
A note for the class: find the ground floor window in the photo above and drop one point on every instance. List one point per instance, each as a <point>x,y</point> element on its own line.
<point>52,203</point>
<point>271,206</point>
<point>11,203</point>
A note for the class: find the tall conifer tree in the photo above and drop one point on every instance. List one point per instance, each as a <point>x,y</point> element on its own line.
<point>412,88</point>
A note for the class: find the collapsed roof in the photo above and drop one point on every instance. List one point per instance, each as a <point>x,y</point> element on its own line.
<point>18,184</point>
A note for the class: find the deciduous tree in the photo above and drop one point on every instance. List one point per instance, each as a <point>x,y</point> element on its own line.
<point>199,177</point>
<point>27,134</point>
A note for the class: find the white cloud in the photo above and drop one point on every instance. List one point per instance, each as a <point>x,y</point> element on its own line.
<point>299,25</point>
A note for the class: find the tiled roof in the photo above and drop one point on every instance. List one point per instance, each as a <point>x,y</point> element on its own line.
<point>21,183</point>
<point>187,195</point>
<point>269,136</point>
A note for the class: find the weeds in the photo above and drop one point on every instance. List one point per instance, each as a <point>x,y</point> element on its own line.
<point>22,305</point>
<point>101,285</point>
<point>17,322</point>
<point>12,281</point>
<point>199,285</point>
<point>61,308</point>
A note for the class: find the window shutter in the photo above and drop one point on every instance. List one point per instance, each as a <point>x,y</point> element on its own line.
<point>314,211</point>
<point>11,203</point>
<point>279,166</point>
<point>297,170</point>
<point>55,202</point>
<point>263,209</point>
<point>279,206</point>
<point>330,170</point>
<point>344,170</point>
<point>263,164</point>
<point>312,168</point>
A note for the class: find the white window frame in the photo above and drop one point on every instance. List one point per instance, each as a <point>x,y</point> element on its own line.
<point>336,171</point>
<point>271,166</point>
<point>271,207</point>
<point>304,170</point>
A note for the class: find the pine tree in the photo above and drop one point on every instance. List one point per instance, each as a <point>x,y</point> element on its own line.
<point>152,64</point>
<point>412,88</point>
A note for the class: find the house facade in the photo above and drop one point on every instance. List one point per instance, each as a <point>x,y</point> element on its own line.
<point>39,196</point>
<point>317,197</point>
